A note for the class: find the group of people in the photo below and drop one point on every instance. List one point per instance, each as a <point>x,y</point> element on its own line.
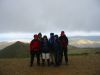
<point>49,51</point>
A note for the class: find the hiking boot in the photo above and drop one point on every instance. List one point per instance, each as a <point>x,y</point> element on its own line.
<point>48,61</point>
<point>43,62</point>
<point>67,63</point>
<point>31,65</point>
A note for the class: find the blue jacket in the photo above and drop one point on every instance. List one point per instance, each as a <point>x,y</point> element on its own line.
<point>57,46</point>
<point>51,42</point>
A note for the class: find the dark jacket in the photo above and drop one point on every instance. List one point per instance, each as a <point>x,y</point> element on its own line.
<point>51,42</point>
<point>57,45</point>
<point>40,39</point>
<point>45,46</point>
<point>63,41</point>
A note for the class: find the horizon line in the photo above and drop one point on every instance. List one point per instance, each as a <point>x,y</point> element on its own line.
<point>68,33</point>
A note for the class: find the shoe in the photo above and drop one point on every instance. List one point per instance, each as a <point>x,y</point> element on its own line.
<point>52,63</point>
<point>67,63</point>
<point>38,64</point>
<point>31,65</point>
<point>48,61</point>
<point>43,64</point>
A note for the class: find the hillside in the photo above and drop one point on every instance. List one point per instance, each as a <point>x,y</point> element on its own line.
<point>21,50</point>
<point>18,49</point>
<point>4,44</point>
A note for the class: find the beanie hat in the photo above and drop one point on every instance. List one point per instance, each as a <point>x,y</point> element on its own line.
<point>52,34</point>
<point>35,36</point>
<point>62,32</point>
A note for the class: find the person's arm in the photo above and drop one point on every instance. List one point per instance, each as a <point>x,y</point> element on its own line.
<point>31,46</point>
<point>67,40</point>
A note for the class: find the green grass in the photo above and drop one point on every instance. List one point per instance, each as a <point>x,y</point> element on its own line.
<point>78,54</point>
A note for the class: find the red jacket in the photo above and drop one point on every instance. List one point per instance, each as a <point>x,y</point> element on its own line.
<point>35,45</point>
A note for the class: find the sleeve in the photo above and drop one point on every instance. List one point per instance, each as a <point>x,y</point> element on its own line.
<point>31,45</point>
<point>67,40</point>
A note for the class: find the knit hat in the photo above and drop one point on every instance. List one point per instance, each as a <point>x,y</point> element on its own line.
<point>62,33</point>
<point>35,36</point>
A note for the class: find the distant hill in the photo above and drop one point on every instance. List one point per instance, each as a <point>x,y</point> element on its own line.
<point>4,44</point>
<point>21,50</point>
<point>18,49</point>
<point>85,43</point>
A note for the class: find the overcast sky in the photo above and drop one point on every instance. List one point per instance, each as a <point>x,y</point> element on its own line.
<point>20,19</point>
<point>49,15</point>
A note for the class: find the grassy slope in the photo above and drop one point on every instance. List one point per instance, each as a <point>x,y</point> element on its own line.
<point>17,49</point>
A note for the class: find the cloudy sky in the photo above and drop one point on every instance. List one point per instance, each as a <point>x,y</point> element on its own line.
<point>32,16</point>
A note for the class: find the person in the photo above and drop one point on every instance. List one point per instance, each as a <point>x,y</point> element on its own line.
<point>45,51</point>
<point>51,42</point>
<point>40,39</point>
<point>57,49</point>
<point>64,46</point>
<point>35,50</point>
<point>40,36</point>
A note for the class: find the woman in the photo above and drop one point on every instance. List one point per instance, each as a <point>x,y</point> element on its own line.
<point>45,51</point>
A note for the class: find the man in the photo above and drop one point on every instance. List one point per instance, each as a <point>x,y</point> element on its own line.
<point>57,49</point>
<point>64,44</point>
<point>35,50</point>
<point>40,36</point>
<point>40,39</point>
<point>51,42</point>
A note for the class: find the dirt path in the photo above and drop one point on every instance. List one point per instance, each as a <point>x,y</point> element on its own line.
<point>79,65</point>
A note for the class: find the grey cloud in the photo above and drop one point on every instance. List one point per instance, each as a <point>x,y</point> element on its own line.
<point>49,15</point>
